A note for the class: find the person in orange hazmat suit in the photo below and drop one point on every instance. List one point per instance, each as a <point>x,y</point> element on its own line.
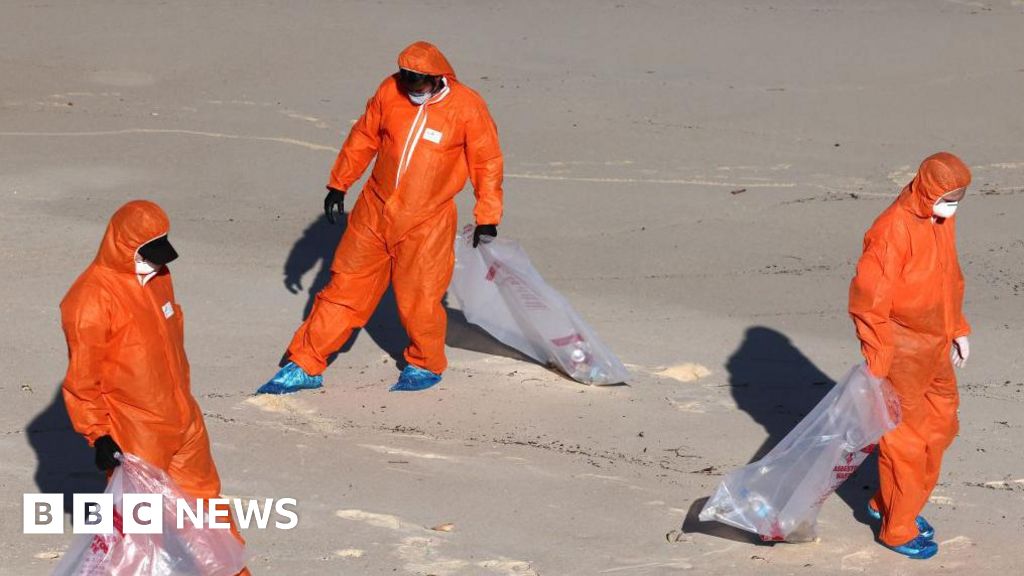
<point>127,385</point>
<point>906,303</point>
<point>428,133</point>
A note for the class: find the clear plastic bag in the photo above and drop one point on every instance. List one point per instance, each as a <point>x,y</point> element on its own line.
<point>780,495</point>
<point>500,291</point>
<point>189,551</point>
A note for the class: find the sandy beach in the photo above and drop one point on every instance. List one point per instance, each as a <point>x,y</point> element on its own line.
<point>695,178</point>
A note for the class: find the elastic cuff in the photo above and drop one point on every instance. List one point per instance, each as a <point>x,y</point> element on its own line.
<point>308,364</point>
<point>435,365</point>
<point>92,437</point>
<point>899,539</point>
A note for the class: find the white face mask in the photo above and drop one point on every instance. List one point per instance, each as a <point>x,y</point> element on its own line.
<point>418,98</point>
<point>145,268</point>
<point>944,209</point>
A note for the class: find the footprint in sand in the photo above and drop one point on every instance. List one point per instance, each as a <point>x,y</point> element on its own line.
<point>279,404</point>
<point>693,406</point>
<point>857,561</point>
<point>47,555</point>
<point>902,175</point>
<point>421,549</point>
<point>373,519</point>
<point>299,411</point>
<point>957,543</point>
<point>422,556</point>
<point>349,553</point>
<point>508,567</point>
<point>388,450</point>
<point>686,372</point>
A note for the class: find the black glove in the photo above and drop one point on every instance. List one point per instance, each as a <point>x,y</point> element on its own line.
<point>484,230</point>
<point>105,450</point>
<point>334,199</point>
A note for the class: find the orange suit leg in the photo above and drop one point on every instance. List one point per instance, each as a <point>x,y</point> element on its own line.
<point>359,276</point>
<point>424,262</point>
<point>910,456</point>
<point>943,400</point>
<point>193,470</point>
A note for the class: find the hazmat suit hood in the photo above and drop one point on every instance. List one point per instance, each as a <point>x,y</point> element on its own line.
<point>133,225</point>
<point>425,58</point>
<point>938,175</point>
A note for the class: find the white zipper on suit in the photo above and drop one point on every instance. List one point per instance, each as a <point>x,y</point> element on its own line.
<point>419,125</point>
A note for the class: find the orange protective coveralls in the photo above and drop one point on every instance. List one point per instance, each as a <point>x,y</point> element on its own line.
<point>906,304</point>
<point>128,376</point>
<point>402,229</point>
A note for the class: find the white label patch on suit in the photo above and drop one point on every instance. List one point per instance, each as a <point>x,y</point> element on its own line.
<point>168,310</point>
<point>432,135</point>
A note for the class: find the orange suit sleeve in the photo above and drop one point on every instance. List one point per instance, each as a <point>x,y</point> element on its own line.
<point>962,328</point>
<point>486,165</point>
<point>871,298</point>
<point>87,326</point>
<point>359,148</point>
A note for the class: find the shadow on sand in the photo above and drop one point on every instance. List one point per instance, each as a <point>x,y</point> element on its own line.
<point>777,385</point>
<point>65,464</point>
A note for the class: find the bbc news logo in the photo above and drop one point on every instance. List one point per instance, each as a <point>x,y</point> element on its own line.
<point>143,513</point>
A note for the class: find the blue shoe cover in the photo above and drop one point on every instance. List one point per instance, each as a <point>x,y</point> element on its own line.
<point>414,378</point>
<point>291,378</point>
<point>926,530</point>
<point>919,548</point>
